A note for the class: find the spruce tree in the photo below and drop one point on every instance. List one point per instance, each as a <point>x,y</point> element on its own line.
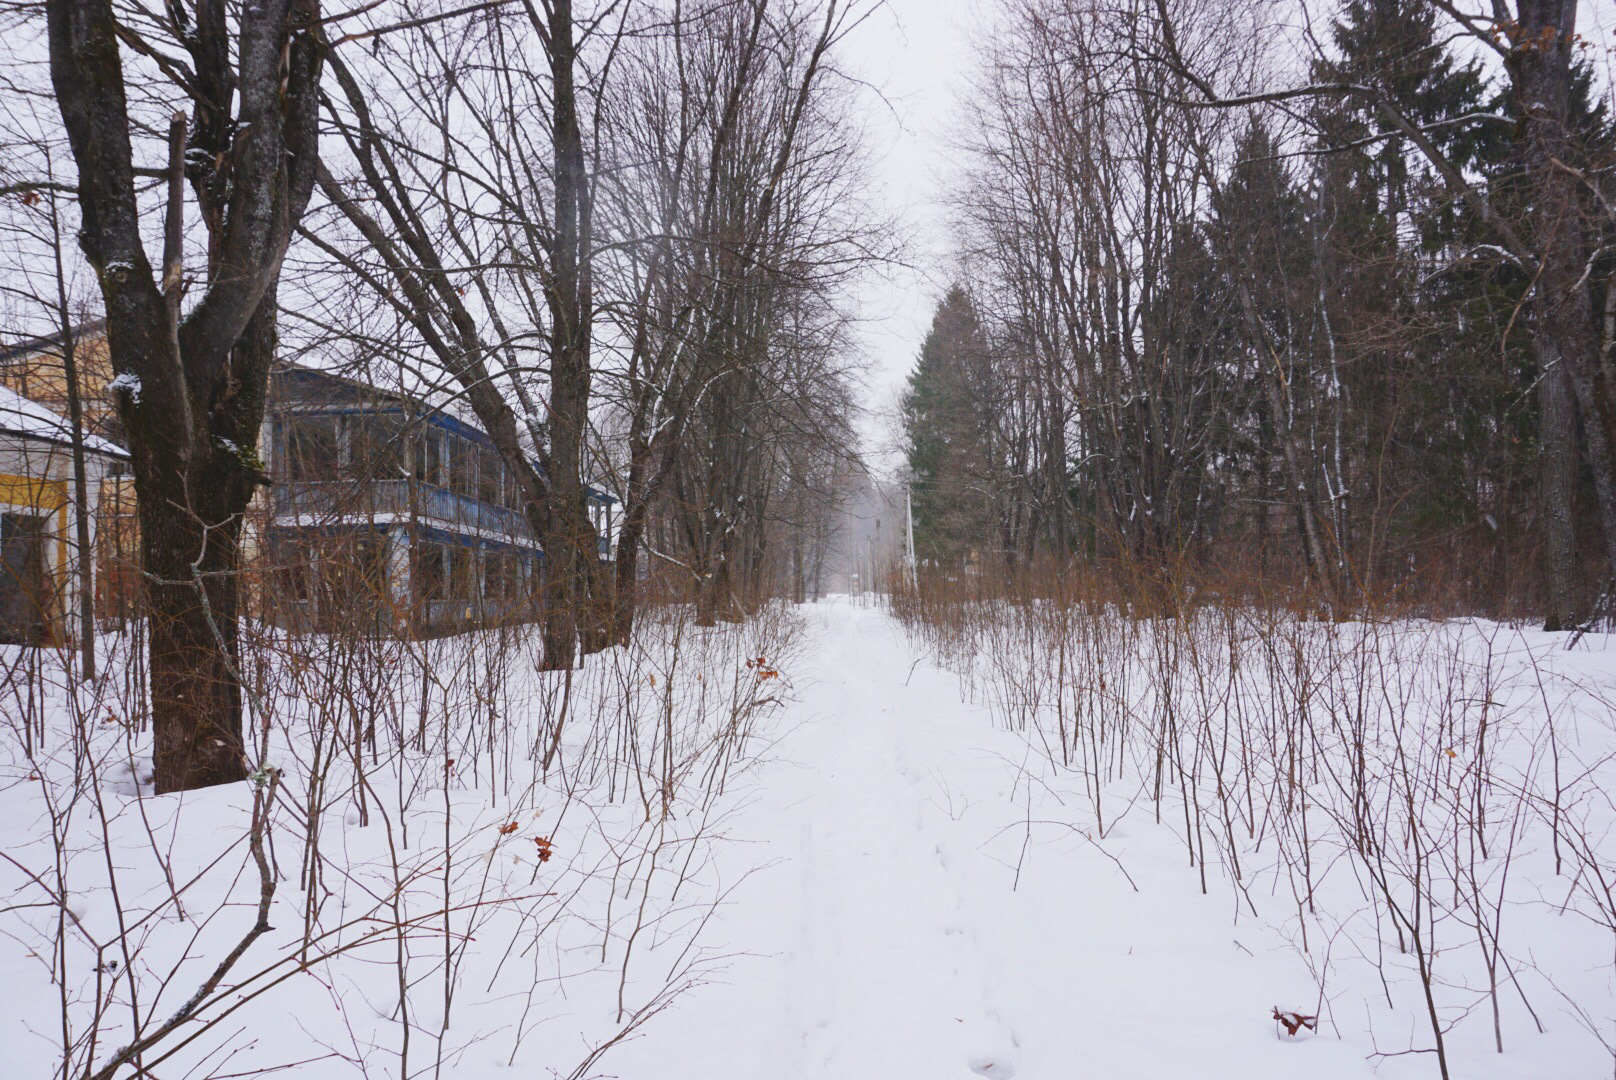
<point>1418,357</point>
<point>946,415</point>
<point>1391,45</point>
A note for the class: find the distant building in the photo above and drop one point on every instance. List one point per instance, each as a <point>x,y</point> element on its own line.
<point>389,515</point>
<point>33,368</point>
<point>38,527</point>
<point>385,514</point>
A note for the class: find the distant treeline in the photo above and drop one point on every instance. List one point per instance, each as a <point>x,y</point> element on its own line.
<point>1334,302</point>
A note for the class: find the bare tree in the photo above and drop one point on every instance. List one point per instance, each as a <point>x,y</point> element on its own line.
<point>191,389</point>
<point>647,219</point>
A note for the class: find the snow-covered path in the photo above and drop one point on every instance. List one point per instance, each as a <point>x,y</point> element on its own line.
<point>885,943</point>
<point>926,911</point>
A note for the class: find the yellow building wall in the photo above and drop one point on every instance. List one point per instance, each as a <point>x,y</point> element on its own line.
<point>41,376</point>
<point>48,497</point>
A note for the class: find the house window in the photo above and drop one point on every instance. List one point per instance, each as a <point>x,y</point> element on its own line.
<point>513,491</point>
<point>292,573</point>
<point>353,566</point>
<point>462,467</point>
<point>463,584</point>
<point>311,448</point>
<point>25,585</point>
<point>490,478</point>
<point>429,458</point>
<point>374,444</point>
<point>499,576</point>
<point>428,572</point>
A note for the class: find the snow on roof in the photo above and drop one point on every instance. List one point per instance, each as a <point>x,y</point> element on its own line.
<point>31,420</point>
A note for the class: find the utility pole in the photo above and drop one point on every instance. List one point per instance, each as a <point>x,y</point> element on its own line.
<point>909,529</point>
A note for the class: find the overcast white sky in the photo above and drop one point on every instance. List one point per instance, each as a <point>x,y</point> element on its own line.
<point>913,52</point>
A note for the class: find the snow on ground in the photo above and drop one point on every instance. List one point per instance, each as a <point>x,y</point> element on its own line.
<point>890,886</point>
<point>915,933</point>
<point>943,909</point>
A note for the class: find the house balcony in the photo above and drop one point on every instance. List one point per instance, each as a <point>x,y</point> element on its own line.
<point>393,500</point>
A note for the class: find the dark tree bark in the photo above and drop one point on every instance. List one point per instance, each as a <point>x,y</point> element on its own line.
<point>575,582</point>
<point>1564,333</point>
<point>191,394</point>
<point>1557,465</point>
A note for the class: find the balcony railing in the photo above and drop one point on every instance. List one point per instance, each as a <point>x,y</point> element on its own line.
<point>339,500</point>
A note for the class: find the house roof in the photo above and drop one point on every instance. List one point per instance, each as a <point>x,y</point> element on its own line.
<point>32,421</point>
<point>338,392</point>
<point>319,386</point>
<point>90,328</point>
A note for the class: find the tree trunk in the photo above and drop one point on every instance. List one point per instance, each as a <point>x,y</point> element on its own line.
<point>799,582</point>
<point>707,597</point>
<point>1565,338</point>
<point>85,555</point>
<point>1296,475</point>
<point>1557,420</point>
<point>573,588</point>
<point>191,394</point>
<point>630,535</point>
<point>196,695</point>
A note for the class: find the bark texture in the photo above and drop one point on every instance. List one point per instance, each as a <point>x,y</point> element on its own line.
<point>191,393</point>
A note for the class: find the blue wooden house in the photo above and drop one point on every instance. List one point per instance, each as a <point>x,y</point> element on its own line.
<point>387,514</point>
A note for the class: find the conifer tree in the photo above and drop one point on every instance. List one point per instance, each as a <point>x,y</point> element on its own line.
<point>947,420</point>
